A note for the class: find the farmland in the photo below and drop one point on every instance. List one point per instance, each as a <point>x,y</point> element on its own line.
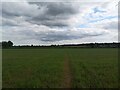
<point>60,68</point>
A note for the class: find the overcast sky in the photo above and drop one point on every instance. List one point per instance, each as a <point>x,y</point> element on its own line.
<point>47,23</point>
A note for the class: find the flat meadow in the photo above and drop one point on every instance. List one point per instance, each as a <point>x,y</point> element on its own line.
<point>60,68</point>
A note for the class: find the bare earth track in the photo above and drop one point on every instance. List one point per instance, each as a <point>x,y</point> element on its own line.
<point>67,76</point>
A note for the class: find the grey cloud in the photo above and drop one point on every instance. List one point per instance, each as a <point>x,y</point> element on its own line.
<point>50,23</point>
<point>61,8</point>
<point>16,9</point>
<point>52,36</point>
<point>48,36</point>
<point>6,22</point>
<point>58,8</point>
<point>60,37</point>
<point>8,12</point>
<point>112,25</point>
<point>50,14</point>
<point>54,14</point>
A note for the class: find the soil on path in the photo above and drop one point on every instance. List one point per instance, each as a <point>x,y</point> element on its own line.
<point>67,75</point>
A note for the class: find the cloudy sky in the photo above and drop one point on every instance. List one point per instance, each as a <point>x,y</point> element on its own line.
<point>45,23</point>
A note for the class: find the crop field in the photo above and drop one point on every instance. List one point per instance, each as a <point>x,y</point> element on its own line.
<point>60,68</point>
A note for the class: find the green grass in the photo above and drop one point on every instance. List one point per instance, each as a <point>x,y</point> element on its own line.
<point>43,68</point>
<point>96,68</point>
<point>32,68</point>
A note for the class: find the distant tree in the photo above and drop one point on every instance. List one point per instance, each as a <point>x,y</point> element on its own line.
<point>4,44</point>
<point>7,44</point>
<point>10,43</point>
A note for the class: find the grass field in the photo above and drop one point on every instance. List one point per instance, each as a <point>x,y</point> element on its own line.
<point>60,68</point>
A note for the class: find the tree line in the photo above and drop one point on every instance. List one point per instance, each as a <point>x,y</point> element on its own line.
<point>9,44</point>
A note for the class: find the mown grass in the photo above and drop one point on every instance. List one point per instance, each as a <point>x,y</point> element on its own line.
<point>43,68</point>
